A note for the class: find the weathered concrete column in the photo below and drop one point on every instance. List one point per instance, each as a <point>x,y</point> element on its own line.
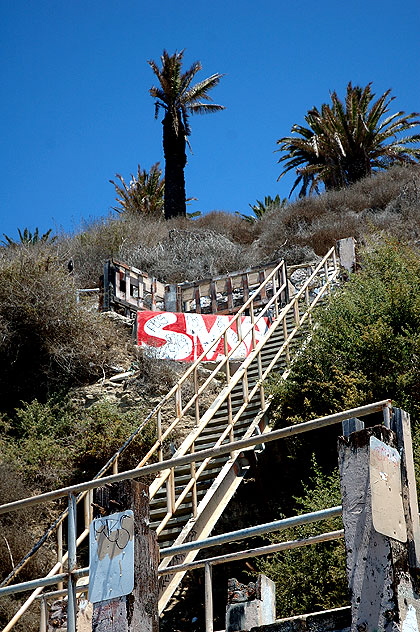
<point>250,605</point>
<point>346,249</point>
<point>137,611</point>
<point>383,591</point>
<point>170,298</point>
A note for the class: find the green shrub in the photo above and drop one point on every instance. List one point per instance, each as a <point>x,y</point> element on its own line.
<point>366,348</point>
<point>313,577</point>
<point>57,443</point>
<point>367,344</point>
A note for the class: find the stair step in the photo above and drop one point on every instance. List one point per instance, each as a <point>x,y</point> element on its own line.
<point>210,435</point>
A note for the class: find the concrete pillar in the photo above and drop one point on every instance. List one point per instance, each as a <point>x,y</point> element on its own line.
<point>346,249</point>
<point>250,605</point>
<point>382,588</point>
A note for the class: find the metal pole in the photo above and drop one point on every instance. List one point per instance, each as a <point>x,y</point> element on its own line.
<point>261,529</point>
<point>71,588</point>
<point>208,603</point>
<point>60,550</point>
<point>289,431</point>
<point>44,616</point>
<point>264,550</point>
<point>387,417</point>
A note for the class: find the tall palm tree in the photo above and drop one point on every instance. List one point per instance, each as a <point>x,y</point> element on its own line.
<point>178,98</point>
<point>345,142</point>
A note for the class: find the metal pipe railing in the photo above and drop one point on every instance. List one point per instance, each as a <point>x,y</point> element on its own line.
<point>55,577</point>
<point>269,527</point>
<point>257,552</point>
<point>289,431</point>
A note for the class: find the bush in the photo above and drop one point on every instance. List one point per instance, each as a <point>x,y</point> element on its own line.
<point>367,345</point>
<point>187,255</point>
<point>366,348</point>
<point>47,341</point>
<point>388,202</point>
<point>310,578</point>
<point>57,442</point>
<point>50,445</point>
<point>173,251</point>
<point>102,239</point>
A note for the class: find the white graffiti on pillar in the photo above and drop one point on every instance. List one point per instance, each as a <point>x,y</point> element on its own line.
<point>177,336</point>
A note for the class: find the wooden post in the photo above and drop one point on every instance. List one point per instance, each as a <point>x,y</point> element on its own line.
<point>383,591</point>
<point>138,611</point>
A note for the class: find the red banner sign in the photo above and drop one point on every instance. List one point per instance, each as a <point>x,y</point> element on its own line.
<point>176,336</point>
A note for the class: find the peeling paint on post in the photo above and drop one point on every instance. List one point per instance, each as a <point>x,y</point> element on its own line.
<point>383,595</point>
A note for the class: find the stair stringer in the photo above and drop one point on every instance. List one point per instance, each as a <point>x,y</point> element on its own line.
<point>209,511</point>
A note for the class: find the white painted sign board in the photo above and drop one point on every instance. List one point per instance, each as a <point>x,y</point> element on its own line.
<point>111,556</point>
<point>386,489</point>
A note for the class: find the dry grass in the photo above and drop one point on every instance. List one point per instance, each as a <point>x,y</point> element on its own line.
<point>188,254</point>
<point>47,341</point>
<point>218,242</point>
<point>388,202</point>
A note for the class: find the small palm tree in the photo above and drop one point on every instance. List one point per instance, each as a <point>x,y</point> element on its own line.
<point>178,99</point>
<point>26,237</point>
<point>345,142</point>
<point>260,208</point>
<point>144,193</point>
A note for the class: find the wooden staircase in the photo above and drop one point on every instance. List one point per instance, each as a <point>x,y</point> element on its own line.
<point>223,475</point>
<point>186,502</point>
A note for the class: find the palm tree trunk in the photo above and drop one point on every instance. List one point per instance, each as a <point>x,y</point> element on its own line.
<point>175,161</point>
<point>358,168</point>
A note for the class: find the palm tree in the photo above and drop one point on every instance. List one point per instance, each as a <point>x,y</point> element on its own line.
<point>260,208</point>
<point>178,98</point>
<point>29,238</point>
<point>144,193</point>
<point>345,142</point>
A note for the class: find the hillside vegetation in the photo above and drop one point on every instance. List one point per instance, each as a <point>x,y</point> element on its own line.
<point>367,346</point>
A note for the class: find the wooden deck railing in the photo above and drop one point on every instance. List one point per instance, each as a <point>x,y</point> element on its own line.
<point>131,289</point>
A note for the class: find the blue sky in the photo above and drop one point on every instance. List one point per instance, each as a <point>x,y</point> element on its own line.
<point>76,107</point>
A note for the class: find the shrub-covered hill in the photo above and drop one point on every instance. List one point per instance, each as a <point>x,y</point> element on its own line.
<point>179,250</point>
<point>50,344</point>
